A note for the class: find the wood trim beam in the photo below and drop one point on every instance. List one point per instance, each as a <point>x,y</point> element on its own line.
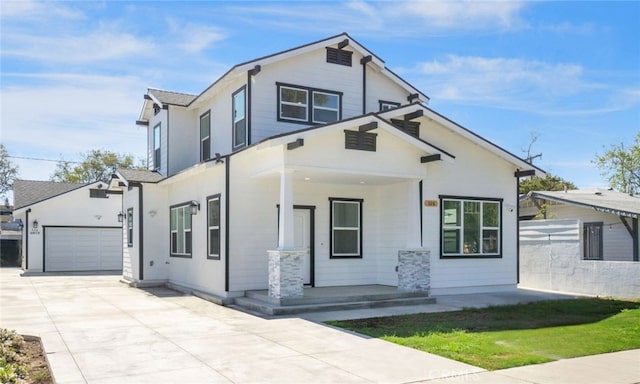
<point>414,115</point>
<point>412,97</point>
<point>255,70</point>
<point>366,59</point>
<point>629,229</point>
<point>430,158</point>
<point>147,97</point>
<point>343,43</point>
<point>295,144</point>
<point>142,122</point>
<point>528,172</point>
<point>368,126</point>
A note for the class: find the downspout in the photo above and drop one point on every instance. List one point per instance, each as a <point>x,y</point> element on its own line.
<point>141,229</point>
<point>364,62</point>
<point>25,228</point>
<point>421,212</point>
<point>636,251</point>
<point>226,222</point>
<point>250,74</point>
<point>517,230</point>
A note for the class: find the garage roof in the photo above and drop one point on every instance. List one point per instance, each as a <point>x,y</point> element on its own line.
<point>29,192</point>
<point>602,200</point>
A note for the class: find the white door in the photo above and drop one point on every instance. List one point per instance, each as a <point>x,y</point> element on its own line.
<point>82,249</point>
<point>302,239</point>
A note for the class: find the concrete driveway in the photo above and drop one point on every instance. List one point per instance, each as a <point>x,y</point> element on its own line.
<point>97,330</point>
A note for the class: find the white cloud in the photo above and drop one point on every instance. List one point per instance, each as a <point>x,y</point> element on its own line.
<point>519,84</point>
<point>194,38</point>
<point>76,48</point>
<point>30,9</point>
<point>67,114</point>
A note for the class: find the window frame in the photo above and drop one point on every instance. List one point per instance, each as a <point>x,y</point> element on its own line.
<point>207,138</point>
<point>310,106</point>
<point>461,228</point>
<point>213,256</point>
<point>187,240</point>
<point>332,228</point>
<point>129,227</point>
<point>385,103</point>
<point>157,146</point>
<point>235,145</point>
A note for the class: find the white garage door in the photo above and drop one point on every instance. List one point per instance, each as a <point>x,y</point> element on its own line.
<point>83,249</point>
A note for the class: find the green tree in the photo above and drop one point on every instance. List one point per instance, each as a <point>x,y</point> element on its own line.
<point>8,171</point>
<point>97,165</point>
<point>621,166</point>
<point>548,183</point>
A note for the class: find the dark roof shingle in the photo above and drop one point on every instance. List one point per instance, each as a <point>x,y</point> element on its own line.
<point>29,192</point>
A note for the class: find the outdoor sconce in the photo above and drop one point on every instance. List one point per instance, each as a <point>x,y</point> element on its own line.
<point>194,206</point>
<point>121,216</point>
<point>35,224</point>
<point>20,224</point>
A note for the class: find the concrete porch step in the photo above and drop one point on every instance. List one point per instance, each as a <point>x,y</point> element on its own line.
<point>269,308</point>
<point>327,297</point>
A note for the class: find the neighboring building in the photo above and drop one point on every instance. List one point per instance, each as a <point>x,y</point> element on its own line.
<point>580,241</point>
<point>68,227</point>
<point>9,238</point>
<point>317,166</point>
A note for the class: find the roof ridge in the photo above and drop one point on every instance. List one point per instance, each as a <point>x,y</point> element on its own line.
<point>164,90</point>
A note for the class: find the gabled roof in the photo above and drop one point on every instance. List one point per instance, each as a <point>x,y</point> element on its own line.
<point>333,40</point>
<point>29,192</point>
<point>171,98</point>
<point>602,200</point>
<point>180,99</point>
<point>138,175</point>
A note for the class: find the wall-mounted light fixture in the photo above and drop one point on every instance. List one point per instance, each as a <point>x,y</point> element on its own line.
<point>20,224</point>
<point>152,212</point>
<point>98,217</point>
<point>510,207</point>
<point>35,224</point>
<point>121,216</point>
<point>195,207</point>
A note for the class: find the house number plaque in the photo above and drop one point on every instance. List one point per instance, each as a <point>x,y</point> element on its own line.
<point>431,203</point>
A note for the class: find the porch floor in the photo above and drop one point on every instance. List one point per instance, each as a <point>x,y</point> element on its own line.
<point>331,299</point>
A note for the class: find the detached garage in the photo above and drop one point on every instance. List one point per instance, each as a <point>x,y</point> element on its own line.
<point>69,227</point>
<point>82,249</point>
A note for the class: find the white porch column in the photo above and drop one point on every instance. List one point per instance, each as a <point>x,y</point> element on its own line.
<point>413,215</point>
<point>285,230</point>
<point>285,263</point>
<point>414,269</point>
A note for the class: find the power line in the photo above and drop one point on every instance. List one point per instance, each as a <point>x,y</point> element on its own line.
<point>37,159</point>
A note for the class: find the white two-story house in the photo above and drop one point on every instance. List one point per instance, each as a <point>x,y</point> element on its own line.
<point>317,166</point>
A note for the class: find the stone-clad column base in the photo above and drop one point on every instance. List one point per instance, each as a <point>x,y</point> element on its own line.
<point>414,270</point>
<point>285,274</point>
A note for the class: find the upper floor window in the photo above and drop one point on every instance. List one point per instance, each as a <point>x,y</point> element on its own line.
<point>205,136</point>
<point>339,56</point>
<point>180,227</point>
<point>156,147</point>
<point>308,105</point>
<point>239,118</point>
<point>387,105</point>
<point>471,227</point>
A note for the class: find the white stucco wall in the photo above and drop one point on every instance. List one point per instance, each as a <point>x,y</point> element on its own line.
<point>551,259</point>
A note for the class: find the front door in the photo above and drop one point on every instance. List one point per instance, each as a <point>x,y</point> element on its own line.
<point>303,239</point>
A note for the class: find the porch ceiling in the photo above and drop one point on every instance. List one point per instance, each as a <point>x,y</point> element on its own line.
<point>316,175</point>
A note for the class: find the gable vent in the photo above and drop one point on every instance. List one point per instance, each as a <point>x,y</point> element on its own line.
<point>410,127</point>
<point>338,56</point>
<point>363,141</point>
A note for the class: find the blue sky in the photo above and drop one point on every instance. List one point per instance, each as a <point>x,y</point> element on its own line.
<point>74,73</point>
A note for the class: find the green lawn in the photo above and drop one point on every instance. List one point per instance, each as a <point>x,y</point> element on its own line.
<point>514,335</point>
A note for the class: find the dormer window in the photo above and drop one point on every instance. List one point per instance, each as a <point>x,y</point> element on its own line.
<point>339,56</point>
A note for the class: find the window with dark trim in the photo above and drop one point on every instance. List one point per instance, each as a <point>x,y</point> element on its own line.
<point>304,105</point>
<point>180,228</point>
<point>387,105</point>
<point>156,147</point>
<point>130,227</point>
<point>592,235</point>
<point>363,141</point>
<point>239,118</point>
<point>98,193</point>
<point>213,227</point>
<point>339,56</point>
<point>346,228</point>
<point>471,227</point>
<point>205,136</point>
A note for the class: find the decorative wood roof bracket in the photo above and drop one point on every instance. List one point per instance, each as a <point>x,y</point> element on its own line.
<point>368,127</point>
<point>343,43</point>
<point>528,172</point>
<point>295,144</point>
<point>430,158</point>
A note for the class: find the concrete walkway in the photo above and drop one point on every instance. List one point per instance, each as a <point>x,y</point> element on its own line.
<point>97,330</point>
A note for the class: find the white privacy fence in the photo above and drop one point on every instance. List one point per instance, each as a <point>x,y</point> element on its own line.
<point>551,259</point>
